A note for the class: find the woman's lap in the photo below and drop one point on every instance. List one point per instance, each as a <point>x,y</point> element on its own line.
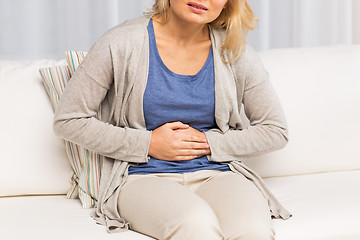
<point>241,209</point>
<point>202,205</point>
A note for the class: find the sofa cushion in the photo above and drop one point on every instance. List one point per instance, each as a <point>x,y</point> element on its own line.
<point>33,159</point>
<point>53,217</point>
<point>319,90</point>
<point>324,207</point>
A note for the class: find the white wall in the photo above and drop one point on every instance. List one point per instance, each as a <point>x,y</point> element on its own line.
<point>31,29</point>
<point>356,22</point>
<point>305,23</point>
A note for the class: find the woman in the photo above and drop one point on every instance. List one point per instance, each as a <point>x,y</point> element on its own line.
<point>171,87</point>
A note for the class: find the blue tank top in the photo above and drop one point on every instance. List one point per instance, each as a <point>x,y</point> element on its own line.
<point>171,97</point>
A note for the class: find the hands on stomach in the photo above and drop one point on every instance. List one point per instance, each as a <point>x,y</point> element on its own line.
<point>177,141</point>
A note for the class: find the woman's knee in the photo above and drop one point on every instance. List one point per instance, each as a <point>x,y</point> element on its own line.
<point>195,223</point>
<point>252,234</point>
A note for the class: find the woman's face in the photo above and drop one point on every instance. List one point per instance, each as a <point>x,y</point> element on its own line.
<point>197,11</point>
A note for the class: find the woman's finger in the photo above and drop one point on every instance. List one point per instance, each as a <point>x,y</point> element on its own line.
<point>176,125</point>
<point>192,138</point>
<point>191,152</point>
<point>185,158</point>
<point>193,145</point>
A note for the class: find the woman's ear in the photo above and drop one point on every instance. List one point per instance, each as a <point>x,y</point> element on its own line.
<point>226,4</point>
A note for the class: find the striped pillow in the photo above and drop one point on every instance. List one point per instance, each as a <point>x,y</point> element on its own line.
<point>85,163</point>
<point>55,80</point>
<point>74,58</point>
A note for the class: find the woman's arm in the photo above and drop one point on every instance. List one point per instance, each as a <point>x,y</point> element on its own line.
<point>75,120</point>
<point>268,129</point>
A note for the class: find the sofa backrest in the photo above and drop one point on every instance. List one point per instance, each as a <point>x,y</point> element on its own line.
<point>33,160</point>
<point>319,89</point>
<point>320,92</point>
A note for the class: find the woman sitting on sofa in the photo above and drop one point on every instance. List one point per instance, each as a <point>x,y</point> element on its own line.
<point>171,86</point>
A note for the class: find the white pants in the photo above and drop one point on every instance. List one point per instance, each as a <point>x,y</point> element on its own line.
<point>203,205</point>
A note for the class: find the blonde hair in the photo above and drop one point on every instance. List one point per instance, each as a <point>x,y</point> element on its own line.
<point>236,18</point>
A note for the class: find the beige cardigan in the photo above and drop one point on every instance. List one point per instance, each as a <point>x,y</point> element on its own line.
<point>113,75</point>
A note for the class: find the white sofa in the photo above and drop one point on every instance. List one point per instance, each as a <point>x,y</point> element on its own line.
<point>317,175</point>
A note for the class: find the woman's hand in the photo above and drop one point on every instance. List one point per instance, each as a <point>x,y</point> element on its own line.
<point>195,132</point>
<point>177,142</point>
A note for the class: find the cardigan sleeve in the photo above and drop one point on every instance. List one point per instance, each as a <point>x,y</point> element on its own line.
<point>75,120</point>
<point>268,128</point>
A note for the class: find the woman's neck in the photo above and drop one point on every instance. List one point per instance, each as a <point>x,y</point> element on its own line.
<point>179,31</point>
